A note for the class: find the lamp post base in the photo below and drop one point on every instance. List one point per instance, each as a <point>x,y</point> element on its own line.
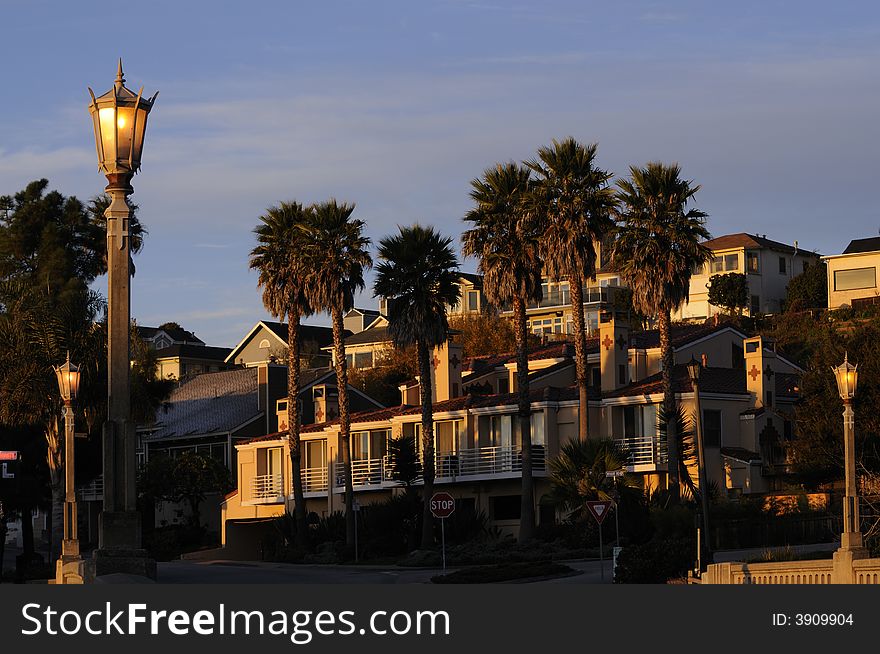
<point>73,569</point>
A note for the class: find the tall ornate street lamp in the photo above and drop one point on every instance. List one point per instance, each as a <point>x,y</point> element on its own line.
<point>120,121</point>
<point>847,378</point>
<point>70,568</point>
<point>695,369</point>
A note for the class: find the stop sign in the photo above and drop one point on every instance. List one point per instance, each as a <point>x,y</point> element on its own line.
<point>442,504</point>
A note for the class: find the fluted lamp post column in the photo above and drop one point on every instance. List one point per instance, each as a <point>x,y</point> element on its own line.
<point>119,118</point>
<point>70,568</point>
<point>847,376</point>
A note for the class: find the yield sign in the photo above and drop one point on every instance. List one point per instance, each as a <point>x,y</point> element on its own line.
<point>599,509</point>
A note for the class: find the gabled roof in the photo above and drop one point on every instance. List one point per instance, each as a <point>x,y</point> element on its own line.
<point>744,240</point>
<point>323,336</point>
<point>859,245</point>
<point>740,454</point>
<point>210,403</point>
<point>369,336</point>
<point>476,280</point>
<point>194,352</point>
<point>178,335</point>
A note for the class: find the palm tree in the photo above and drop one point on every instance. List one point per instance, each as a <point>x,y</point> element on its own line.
<point>506,245</point>
<point>418,273</point>
<point>334,253</point>
<point>282,278</point>
<point>577,474</point>
<point>658,244</point>
<point>573,201</point>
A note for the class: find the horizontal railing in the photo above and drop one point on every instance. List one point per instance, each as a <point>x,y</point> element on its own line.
<point>94,490</point>
<point>644,450</point>
<point>592,294</point>
<point>267,487</point>
<point>364,472</point>
<point>314,479</point>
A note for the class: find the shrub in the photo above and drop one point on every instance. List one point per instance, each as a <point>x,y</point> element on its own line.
<point>656,561</point>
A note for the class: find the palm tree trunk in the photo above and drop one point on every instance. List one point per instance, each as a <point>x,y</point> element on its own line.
<point>524,409</point>
<point>427,443</point>
<point>344,422</point>
<point>293,420</point>
<point>667,356</point>
<point>576,293</point>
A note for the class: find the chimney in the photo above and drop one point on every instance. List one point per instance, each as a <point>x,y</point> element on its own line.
<point>613,350</point>
<point>271,386</point>
<point>761,367</point>
<point>326,399</point>
<point>281,414</point>
<point>446,362</point>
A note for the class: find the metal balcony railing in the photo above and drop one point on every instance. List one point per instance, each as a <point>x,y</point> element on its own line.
<point>644,450</point>
<point>314,479</point>
<point>92,491</point>
<point>267,487</point>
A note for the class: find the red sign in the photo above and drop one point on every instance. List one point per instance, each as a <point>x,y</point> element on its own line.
<point>8,455</point>
<point>599,509</point>
<point>442,504</point>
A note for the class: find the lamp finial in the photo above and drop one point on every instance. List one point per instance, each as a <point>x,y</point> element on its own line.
<point>120,80</point>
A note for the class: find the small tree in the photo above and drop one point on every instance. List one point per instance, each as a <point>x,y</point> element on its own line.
<point>730,292</point>
<point>188,478</point>
<point>809,290</point>
<point>406,468</point>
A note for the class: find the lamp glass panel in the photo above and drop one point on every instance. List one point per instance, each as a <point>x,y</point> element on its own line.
<point>108,134</point>
<point>124,128</point>
<point>140,128</point>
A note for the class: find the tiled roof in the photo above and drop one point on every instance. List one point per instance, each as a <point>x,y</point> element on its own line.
<point>713,380</point>
<point>680,334</point>
<point>743,240</point>
<point>209,403</point>
<point>194,352</point>
<point>858,245</point>
<point>549,370</point>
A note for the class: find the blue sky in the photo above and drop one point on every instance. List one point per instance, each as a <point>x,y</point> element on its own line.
<point>771,106</point>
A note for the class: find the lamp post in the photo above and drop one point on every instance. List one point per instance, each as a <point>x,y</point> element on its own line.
<point>847,377</point>
<point>119,118</point>
<point>70,568</point>
<point>695,369</point>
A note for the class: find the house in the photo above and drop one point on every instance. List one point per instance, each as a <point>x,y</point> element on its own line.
<point>769,266</point>
<point>167,335</point>
<point>180,361</point>
<point>213,412</point>
<point>852,276</point>
<point>364,349</point>
<point>266,343</point>
<point>551,316</point>
<point>747,394</point>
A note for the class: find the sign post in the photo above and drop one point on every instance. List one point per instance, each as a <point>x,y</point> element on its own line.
<point>599,509</point>
<point>442,506</point>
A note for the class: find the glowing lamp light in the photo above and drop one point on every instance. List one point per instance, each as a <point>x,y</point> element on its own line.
<point>120,121</point>
<point>847,377</point>
<point>68,380</point>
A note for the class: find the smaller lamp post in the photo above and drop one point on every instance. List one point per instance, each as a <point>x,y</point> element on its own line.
<point>847,377</point>
<point>70,569</point>
<point>695,369</point>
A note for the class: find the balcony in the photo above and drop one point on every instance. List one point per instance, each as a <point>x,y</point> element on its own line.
<point>561,299</point>
<point>267,489</point>
<point>315,480</point>
<point>646,453</point>
<point>365,474</point>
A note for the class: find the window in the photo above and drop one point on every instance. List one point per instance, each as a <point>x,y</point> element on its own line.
<point>621,374</point>
<point>855,278</point>
<point>349,361</point>
<point>502,432</point>
<point>752,262</point>
<point>503,386</point>
<point>537,425</point>
<point>363,359</point>
<point>597,377</point>
<point>782,267</point>
<point>473,300</point>
<point>640,421</point>
<point>756,304</point>
<point>731,262</point>
<point>314,454</point>
<point>712,427</point>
